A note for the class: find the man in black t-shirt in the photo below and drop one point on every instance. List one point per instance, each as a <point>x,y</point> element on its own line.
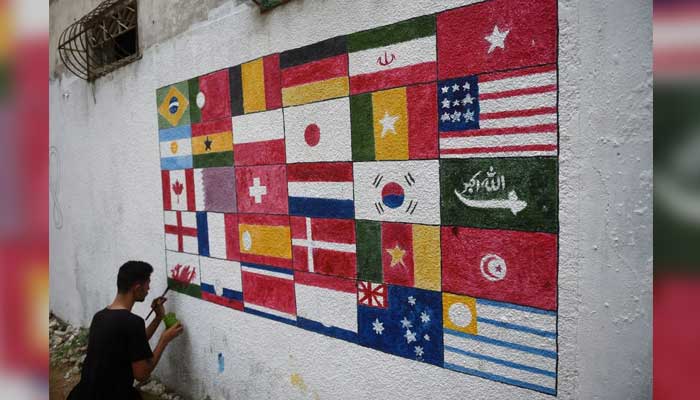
<point>118,349</point>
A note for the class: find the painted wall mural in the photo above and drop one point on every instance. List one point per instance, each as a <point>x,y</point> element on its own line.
<point>395,188</point>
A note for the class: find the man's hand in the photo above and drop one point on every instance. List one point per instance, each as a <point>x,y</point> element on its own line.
<point>157,307</point>
<point>171,333</point>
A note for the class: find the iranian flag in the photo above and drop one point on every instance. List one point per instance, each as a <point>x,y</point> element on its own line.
<point>394,55</point>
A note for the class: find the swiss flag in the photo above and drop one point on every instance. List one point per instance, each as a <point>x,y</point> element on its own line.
<point>496,35</point>
<point>262,189</point>
<point>510,266</point>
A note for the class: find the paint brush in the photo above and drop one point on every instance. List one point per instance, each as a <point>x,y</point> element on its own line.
<point>152,309</point>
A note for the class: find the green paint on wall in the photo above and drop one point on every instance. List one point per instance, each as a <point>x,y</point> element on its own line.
<point>219,159</point>
<point>400,32</point>
<point>362,128</point>
<point>190,290</point>
<point>369,251</point>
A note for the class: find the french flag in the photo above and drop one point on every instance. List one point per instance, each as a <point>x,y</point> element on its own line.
<point>321,190</point>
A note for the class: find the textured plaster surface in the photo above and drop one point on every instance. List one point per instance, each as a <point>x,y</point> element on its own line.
<point>105,134</point>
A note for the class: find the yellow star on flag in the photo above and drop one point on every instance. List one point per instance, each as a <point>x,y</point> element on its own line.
<point>396,254</point>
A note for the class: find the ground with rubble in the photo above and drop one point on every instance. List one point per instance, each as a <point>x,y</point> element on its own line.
<point>68,345</point>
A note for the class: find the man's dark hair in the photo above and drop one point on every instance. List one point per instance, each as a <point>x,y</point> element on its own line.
<point>131,273</point>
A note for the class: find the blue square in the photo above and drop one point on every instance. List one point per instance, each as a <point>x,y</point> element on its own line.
<point>458,104</point>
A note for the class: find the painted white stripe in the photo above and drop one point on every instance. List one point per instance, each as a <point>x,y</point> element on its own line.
<point>516,336</point>
<point>678,34</point>
<point>498,369</point>
<point>271,311</point>
<point>258,127</point>
<point>498,140</point>
<point>504,353</point>
<point>309,253</point>
<point>329,307</point>
<point>542,119</point>
<point>343,247</point>
<point>184,148</point>
<point>412,52</point>
<point>221,274</point>
<point>321,190</point>
<point>198,189</point>
<point>503,154</point>
<point>265,272</point>
<point>217,235</point>
<point>524,102</point>
<point>189,220</point>
<point>190,244</point>
<point>520,82</point>
<point>170,218</point>
<point>540,322</point>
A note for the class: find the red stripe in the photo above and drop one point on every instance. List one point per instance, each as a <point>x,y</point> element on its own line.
<point>320,172</point>
<point>180,231</point>
<point>180,246</point>
<point>518,72</point>
<point>270,292</point>
<point>189,184</point>
<point>300,258</point>
<point>165,179</point>
<point>268,152</point>
<point>298,225</point>
<point>260,219</point>
<point>335,263</point>
<point>422,121</point>
<point>326,282</point>
<point>223,301</point>
<point>518,92</point>
<point>321,70</point>
<point>424,72</point>
<point>211,127</point>
<point>333,230</point>
<point>534,129</point>
<point>273,91</point>
<point>233,251</point>
<point>518,113</point>
<point>501,149</point>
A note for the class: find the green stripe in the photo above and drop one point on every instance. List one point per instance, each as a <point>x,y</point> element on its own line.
<point>362,129</point>
<point>369,251</point>
<point>400,32</point>
<point>220,159</point>
<point>193,88</point>
<point>190,290</point>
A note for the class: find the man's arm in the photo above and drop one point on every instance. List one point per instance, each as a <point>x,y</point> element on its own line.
<point>153,326</point>
<point>142,369</point>
<point>157,306</point>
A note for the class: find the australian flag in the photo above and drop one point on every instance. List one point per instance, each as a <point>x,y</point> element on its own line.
<point>411,325</point>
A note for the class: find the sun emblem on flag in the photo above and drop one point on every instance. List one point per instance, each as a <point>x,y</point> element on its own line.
<point>371,294</point>
<point>173,106</point>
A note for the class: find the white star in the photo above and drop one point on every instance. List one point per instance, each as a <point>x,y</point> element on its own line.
<point>424,317</point>
<point>388,123</point>
<point>497,39</point>
<point>377,326</point>
<point>410,336</point>
<point>456,116</point>
<point>466,86</point>
<point>419,351</point>
<point>445,117</point>
<point>455,88</point>
<point>445,89</point>
<point>469,116</point>
<point>405,323</point>
<point>468,99</point>
<point>426,337</point>
<point>456,103</point>
<point>411,300</point>
<point>445,103</point>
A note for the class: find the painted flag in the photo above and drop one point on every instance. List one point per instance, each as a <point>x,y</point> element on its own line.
<point>512,266</point>
<point>318,131</point>
<point>183,273</point>
<point>495,36</point>
<point>212,144</point>
<point>401,254</point>
<point>503,114</point>
<point>262,189</point>
<point>269,292</point>
<point>255,86</point>
<point>265,240</point>
<point>209,97</point>
<point>259,138</point>
<point>394,55</point>
<point>395,124</point>
<point>175,147</point>
<point>502,193</point>
<point>181,231</point>
<point>215,189</point>
<point>372,294</point>
<point>324,246</point>
<point>410,326</point>
<point>401,191</point>
<point>221,282</point>
<point>326,305</point>
<point>501,342</point>
<point>315,72</point>
<point>173,106</point>
<point>178,190</point>
<point>323,190</point>
<point>217,235</point>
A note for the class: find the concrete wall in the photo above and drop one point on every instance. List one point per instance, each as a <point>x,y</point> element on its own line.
<point>107,168</point>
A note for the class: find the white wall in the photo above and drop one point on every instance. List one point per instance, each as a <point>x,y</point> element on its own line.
<point>105,135</point>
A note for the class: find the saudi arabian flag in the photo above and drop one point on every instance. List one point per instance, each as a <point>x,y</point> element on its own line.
<point>394,55</point>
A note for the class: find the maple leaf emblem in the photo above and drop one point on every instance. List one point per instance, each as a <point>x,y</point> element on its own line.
<point>183,274</point>
<point>177,188</point>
